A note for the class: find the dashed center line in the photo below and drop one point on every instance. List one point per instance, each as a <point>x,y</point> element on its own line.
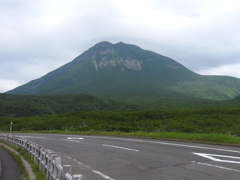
<point>165,143</point>
<point>97,172</point>
<point>75,138</point>
<point>118,147</point>
<point>103,175</point>
<point>70,140</point>
<point>68,157</point>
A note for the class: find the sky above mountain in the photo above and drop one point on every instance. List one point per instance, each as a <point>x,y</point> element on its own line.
<point>41,35</point>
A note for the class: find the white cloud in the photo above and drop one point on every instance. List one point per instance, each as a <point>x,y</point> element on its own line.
<point>225,70</point>
<point>6,84</point>
<point>21,72</point>
<point>155,15</point>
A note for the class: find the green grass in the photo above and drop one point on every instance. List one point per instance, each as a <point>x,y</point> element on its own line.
<point>40,175</point>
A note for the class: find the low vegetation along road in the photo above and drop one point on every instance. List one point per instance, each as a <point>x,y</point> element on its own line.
<point>98,157</point>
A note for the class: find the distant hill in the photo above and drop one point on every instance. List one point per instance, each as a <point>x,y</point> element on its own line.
<point>28,105</point>
<point>128,73</point>
<point>236,99</point>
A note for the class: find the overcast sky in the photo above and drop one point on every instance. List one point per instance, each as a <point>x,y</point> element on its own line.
<point>38,36</point>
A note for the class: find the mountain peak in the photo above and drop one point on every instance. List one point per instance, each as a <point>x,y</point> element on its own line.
<point>120,44</point>
<point>126,47</point>
<point>104,43</point>
<point>105,54</point>
<point>101,46</point>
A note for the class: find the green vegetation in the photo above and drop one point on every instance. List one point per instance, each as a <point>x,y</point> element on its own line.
<point>210,121</point>
<point>22,105</point>
<point>40,175</point>
<point>28,105</point>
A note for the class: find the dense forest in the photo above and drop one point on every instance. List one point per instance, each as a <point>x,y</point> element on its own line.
<point>225,121</point>
<point>27,105</point>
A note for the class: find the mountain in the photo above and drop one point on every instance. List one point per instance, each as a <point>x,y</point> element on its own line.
<point>126,72</point>
<point>236,99</point>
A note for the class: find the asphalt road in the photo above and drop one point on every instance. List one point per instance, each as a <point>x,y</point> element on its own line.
<point>98,157</point>
<point>9,168</point>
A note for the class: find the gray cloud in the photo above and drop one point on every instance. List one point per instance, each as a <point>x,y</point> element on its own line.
<point>39,36</point>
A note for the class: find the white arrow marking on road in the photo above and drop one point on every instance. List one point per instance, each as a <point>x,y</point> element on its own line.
<point>213,157</point>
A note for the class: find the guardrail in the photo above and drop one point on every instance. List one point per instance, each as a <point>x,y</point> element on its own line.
<point>48,161</point>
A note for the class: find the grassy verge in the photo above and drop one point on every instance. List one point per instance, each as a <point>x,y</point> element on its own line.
<point>211,138</point>
<point>40,175</point>
<point>35,167</point>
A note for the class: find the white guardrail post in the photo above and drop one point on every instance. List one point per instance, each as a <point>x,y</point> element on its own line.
<point>48,161</point>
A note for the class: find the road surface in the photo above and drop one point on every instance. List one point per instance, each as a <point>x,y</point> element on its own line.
<point>120,158</point>
<point>9,168</point>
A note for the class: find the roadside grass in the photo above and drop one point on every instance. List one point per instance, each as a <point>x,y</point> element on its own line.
<point>40,175</point>
<point>211,138</point>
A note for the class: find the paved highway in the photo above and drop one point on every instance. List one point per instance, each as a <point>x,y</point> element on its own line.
<point>118,158</point>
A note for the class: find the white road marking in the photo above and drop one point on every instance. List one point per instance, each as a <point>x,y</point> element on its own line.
<point>31,137</point>
<point>97,172</point>
<point>199,147</point>
<point>221,167</point>
<point>83,165</point>
<point>75,138</point>
<point>70,140</point>
<point>212,157</point>
<point>165,143</point>
<point>68,157</point>
<point>118,147</point>
<point>103,175</point>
